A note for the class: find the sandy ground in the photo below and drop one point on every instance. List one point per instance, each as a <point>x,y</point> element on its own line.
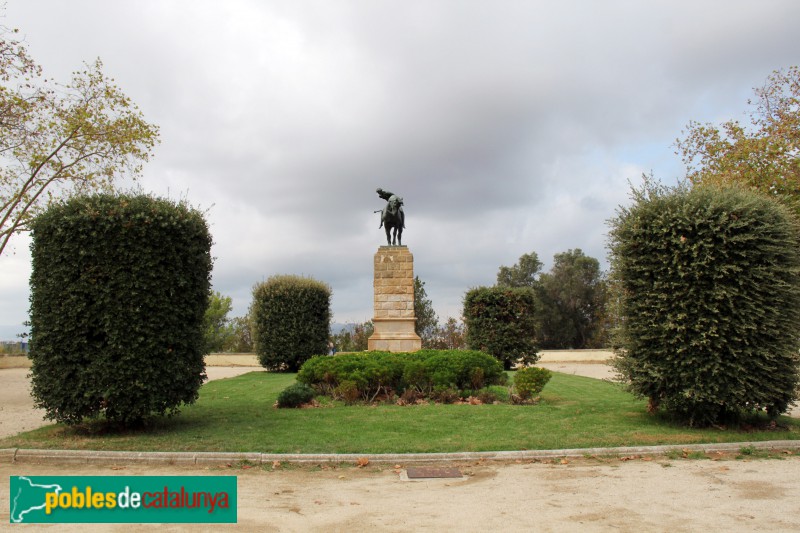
<point>585,495</point>
<point>634,496</point>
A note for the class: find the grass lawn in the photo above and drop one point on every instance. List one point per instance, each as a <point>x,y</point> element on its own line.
<point>237,415</point>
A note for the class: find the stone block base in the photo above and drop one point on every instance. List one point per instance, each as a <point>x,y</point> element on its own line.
<point>394,335</point>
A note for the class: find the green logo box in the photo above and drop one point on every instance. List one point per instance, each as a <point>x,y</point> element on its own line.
<point>123,499</point>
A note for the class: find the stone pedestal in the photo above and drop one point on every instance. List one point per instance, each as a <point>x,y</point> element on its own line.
<point>394,301</point>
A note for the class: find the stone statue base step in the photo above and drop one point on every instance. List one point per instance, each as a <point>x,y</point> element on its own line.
<point>394,335</point>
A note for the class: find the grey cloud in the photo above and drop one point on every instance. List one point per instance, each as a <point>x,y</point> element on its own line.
<point>507,126</point>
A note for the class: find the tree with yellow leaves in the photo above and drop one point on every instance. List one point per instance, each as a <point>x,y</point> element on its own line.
<point>59,139</point>
<point>764,155</point>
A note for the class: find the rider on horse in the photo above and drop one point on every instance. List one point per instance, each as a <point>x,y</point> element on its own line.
<point>389,197</point>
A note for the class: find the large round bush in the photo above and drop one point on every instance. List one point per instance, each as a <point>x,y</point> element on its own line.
<point>291,321</point>
<point>710,301</point>
<point>118,291</point>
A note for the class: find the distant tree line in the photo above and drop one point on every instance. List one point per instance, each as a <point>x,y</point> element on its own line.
<point>570,300</point>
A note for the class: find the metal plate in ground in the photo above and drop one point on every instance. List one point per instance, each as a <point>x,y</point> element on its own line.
<point>427,472</point>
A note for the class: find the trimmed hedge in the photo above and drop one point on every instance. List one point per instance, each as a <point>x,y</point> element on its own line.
<point>373,374</point>
<point>710,286</point>
<point>291,321</point>
<point>501,321</point>
<point>118,292</point>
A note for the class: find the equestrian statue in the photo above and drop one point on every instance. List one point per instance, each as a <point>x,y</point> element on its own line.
<point>392,217</point>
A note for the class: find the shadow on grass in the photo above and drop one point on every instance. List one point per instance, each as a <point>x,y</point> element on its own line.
<point>152,427</point>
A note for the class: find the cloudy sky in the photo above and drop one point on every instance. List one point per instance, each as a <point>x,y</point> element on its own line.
<point>507,126</point>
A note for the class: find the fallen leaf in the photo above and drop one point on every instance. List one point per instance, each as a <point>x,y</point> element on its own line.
<point>362,462</point>
<point>398,466</point>
<point>564,462</point>
<point>276,464</point>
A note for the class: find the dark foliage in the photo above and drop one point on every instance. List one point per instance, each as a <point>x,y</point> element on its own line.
<point>291,321</point>
<point>427,321</point>
<point>570,302</point>
<point>118,292</point>
<point>710,301</point>
<point>501,321</point>
<point>375,374</point>
<point>295,395</point>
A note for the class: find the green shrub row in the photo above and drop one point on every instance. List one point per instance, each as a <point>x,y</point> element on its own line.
<point>368,375</point>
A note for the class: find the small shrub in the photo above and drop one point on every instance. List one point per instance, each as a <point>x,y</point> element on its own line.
<point>442,394</point>
<point>295,395</point>
<point>486,396</point>
<point>529,382</point>
<point>503,393</point>
<point>465,394</point>
<point>410,397</point>
<point>347,391</point>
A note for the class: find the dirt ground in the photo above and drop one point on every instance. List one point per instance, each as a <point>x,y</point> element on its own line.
<point>615,494</point>
<point>636,495</point>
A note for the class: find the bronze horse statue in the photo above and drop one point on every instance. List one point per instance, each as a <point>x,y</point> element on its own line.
<point>392,217</point>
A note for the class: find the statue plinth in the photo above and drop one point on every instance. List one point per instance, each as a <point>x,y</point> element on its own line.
<point>394,301</point>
